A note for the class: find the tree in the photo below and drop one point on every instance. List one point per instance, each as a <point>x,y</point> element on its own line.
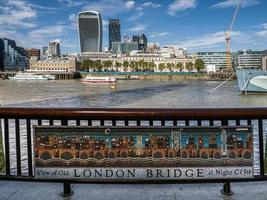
<point>97,65</point>
<point>118,65</point>
<point>169,67</point>
<point>199,64</point>
<point>179,66</point>
<point>87,65</point>
<point>189,66</point>
<point>107,64</point>
<point>125,65</point>
<point>161,66</point>
<point>151,66</point>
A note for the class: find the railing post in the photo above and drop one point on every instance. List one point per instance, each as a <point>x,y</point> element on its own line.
<point>227,189</point>
<point>226,185</point>
<point>67,190</point>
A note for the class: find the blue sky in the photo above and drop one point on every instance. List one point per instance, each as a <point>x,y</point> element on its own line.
<point>197,25</point>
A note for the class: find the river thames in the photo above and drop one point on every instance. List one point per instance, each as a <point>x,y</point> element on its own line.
<point>129,94</point>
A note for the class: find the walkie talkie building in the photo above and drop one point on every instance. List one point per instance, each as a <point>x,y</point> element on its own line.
<point>90,31</point>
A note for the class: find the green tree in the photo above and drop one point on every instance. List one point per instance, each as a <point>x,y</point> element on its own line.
<point>87,65</point>
<point>151,66</point>
<point>118,65</point>
<point>189,66</point>
<point>179,66</point>
<point>107,64</point>
<point>169,67</point>
<point>97,65</point>
<point>199,64</point>
<point>125,65</point>
<point>161,66</point>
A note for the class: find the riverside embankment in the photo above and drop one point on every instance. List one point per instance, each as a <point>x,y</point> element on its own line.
<point>161,75</point>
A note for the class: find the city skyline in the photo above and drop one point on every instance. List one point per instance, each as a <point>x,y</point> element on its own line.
<point>193,24</point>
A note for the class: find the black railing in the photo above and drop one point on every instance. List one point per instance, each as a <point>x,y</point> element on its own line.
<point>18,125</point>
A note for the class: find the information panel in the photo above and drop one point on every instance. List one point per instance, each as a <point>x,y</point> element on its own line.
<point>143,153</point>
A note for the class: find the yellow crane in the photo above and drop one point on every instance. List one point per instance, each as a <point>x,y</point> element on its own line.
<point>228,38</point>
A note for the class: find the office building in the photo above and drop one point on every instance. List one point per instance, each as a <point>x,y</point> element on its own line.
<point>12,57</point>
<point>114,30</point>
<point>33,53</point>
<point>2,50</point>
<point>249,58</point>
<point>54,49</point>
<point>216,59</point>
<point>45,51</point>
<point>124,48</point>
<point>264,60</point>
<point>141,41</point>
<point>90,31</point>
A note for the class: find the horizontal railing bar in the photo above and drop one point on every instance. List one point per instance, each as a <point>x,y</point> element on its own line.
<point>135,114</point>
<point>32,179</point>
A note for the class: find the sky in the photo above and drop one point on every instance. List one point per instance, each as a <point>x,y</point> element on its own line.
<point>197,25</point>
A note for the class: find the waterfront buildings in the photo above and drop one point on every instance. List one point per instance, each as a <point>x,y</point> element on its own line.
<point>2,53</point>
<point>119,48</point>
<point>62,64</point>
<point>138,56</point>
<point>141,41</point>
<point>114,30</point>
<point>249,58</point>
<point>45,51</point>
<point>12,57</point>
<point>152,47</point>
<point>264,60</point>
<point>54,49</point>
<point>217,59</point>
<point>90,31</point>
<point>95,56</point>
<point>33,53</point>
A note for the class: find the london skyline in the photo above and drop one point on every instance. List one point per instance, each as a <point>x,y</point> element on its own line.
<point>193,24</point>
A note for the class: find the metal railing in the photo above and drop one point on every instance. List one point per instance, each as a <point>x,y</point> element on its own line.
<point>18,124</point>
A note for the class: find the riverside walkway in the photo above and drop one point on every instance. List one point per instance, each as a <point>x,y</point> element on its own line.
<point>10,190</point>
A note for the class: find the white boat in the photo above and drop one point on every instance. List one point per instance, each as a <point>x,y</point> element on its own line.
<point>252,80</point>
<point>98,79</point>
<point>31,76</point>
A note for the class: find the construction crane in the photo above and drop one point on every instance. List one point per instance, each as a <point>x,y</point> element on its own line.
<point>228,38</point>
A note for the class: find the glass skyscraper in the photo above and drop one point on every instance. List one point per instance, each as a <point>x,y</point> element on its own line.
<point>90,31</point>
<point>12,57</point>
<point>114,30</point>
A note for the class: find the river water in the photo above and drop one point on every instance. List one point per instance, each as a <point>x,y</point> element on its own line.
<point>129,94</point>
<point>141,93</point>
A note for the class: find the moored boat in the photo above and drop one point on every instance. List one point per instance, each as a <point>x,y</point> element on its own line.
<point>98,79</point>
<point>251,80</point>
<point>31,76</point>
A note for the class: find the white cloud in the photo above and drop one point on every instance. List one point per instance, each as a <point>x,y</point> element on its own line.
<point>206,40</point>
<point>150,5</point>
<point>17,14</point>
<point>47,32</point>
<point>110,7</point>
<point>136,16</point>
<point>162,34</point>
<point>263,30</point>
<point>129,4</point>
<point>72,3</point>
<point>181,5</point>
<point>231,3</point>
<point>137,28</point>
